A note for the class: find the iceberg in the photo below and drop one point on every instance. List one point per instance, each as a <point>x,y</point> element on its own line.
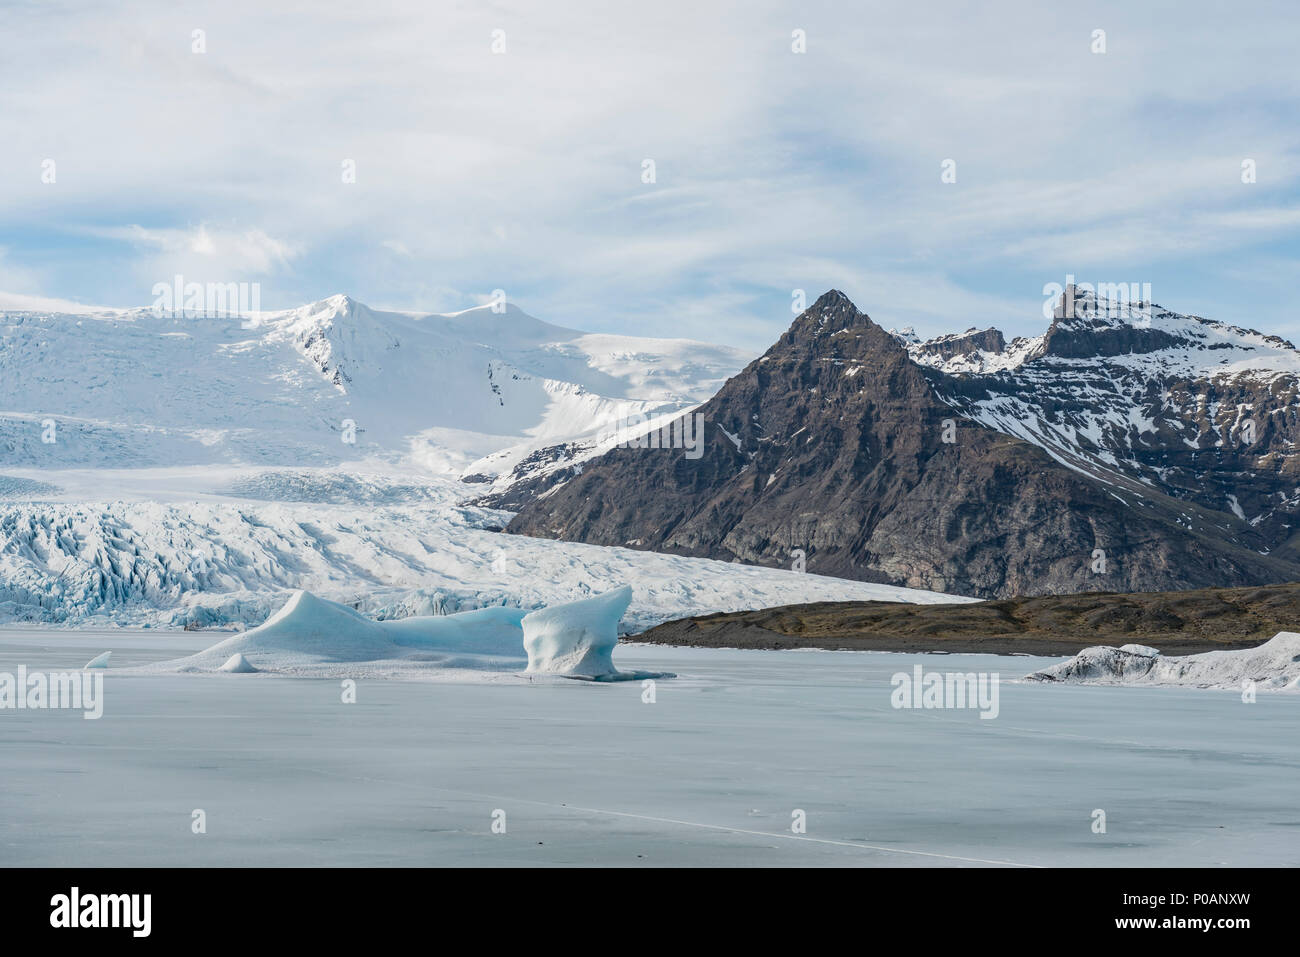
<point>1146,650</point>
<point>99,661</point>
<point>314,637</point>
<point>578,638</point>
<point>1272,666</point>
<point>238,664</point>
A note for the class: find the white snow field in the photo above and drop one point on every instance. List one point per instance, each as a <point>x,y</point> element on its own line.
<point>128,388</point>
<point>1272,666</point>
<point>707,768</point>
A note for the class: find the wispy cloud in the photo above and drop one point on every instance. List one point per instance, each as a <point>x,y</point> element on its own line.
<point>388,152</point>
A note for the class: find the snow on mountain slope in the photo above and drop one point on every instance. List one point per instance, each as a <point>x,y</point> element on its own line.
<point>974,351</point>
<point>1146,400</point>
<point>328,382</point>
<point>1137,336</point>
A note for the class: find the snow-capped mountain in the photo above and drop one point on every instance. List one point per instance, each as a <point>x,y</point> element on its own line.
<point>1141,336</point>
<point>192,471</point>
<point>1125,449</point>
<point>328,382</point>
<point>1146,399</point>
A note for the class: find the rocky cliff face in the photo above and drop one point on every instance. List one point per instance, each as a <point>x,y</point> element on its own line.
<point>964,344</point>
<point>842,449</point>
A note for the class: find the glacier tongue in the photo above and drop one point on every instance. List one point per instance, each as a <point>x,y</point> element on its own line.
<point>189,557</point>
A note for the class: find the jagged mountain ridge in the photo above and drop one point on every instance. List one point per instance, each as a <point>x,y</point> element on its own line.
<point>1202,411</point>
<point>832,443</point>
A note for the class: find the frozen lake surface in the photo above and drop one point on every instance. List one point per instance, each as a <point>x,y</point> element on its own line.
<point>710,773</point>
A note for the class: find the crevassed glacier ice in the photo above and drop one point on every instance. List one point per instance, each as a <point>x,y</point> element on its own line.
<point>1272,666</point>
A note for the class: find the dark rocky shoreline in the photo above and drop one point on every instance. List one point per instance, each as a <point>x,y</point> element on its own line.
<point>1178,622</point>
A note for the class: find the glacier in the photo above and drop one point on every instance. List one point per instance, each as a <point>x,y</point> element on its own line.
<point>188,472</point>
<point>191,548</point>
<point>474,392</point>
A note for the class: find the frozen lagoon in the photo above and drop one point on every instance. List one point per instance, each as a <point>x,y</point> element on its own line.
<point>587,773</point>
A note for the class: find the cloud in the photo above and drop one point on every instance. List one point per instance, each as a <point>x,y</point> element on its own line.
<point>201,253</point>
<point>774,170</point>
<point>20,302</point>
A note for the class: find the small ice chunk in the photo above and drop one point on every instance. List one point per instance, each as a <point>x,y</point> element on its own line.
<point>576,639</point>
<point>238,664</point>
<point>99,661</point>
<point>1140,650</point>
<point>1272,666</point>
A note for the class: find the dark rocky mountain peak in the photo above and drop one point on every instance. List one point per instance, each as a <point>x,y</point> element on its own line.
<point>837,445</point>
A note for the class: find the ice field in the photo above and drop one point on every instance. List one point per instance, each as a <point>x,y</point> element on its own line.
<point>711,772</point>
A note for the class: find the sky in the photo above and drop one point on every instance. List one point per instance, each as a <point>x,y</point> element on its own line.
<point>504,145</point>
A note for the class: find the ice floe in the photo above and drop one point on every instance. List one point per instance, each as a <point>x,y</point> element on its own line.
<point>1272,666</point>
